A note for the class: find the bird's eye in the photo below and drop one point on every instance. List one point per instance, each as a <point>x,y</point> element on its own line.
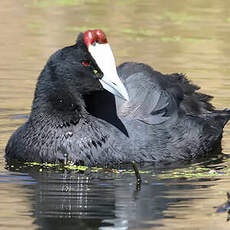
<point>86,63</point>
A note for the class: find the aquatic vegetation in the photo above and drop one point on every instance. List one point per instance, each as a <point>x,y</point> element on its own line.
<point>127,2</point>
<point>177,17</point>
<point>69,2</point>
<point>77,168</point>
<point>52,3</point>
<point>139,32</point>
<point>195,171</point>
<point>181,39</point>
<point>82,28</point>
<point>34,25</point>
<point>81,168</point>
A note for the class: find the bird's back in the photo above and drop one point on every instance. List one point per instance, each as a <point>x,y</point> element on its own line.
<point>166,114</point>
<point>176,85</point>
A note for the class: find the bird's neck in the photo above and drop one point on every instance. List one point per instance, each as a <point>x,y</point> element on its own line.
<point>54,103</point>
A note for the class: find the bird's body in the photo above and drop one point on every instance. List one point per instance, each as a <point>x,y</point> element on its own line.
<point>164,118</point>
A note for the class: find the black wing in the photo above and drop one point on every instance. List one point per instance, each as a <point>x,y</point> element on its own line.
<point>155,98</point>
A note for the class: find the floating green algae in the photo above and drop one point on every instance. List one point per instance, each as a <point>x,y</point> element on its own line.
<point>195,171</point>
<point>34,25</point>
<point>53,3</point>
<point>177,17</point>
<point>181,39</point>
<point>83,28</point>
<point>60,166</point>
<point>69,2</point>
<point>77,168</point>
<point>81,168</point>
<point>140,32</point>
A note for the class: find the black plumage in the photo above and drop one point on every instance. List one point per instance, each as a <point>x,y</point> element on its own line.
<point>74,117</point>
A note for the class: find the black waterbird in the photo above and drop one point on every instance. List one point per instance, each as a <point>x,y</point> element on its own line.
<point>102,115</point>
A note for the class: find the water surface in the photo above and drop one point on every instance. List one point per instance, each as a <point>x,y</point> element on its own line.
<point>189,37</point>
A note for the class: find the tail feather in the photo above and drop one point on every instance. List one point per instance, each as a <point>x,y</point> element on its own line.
<point>193,102</point>
<point>220,117</point>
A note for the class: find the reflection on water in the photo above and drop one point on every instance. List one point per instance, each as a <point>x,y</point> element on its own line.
<point>172,36</point>
<point>64,200</point>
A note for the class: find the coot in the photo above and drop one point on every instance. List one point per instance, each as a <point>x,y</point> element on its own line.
<point>87,111</point>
